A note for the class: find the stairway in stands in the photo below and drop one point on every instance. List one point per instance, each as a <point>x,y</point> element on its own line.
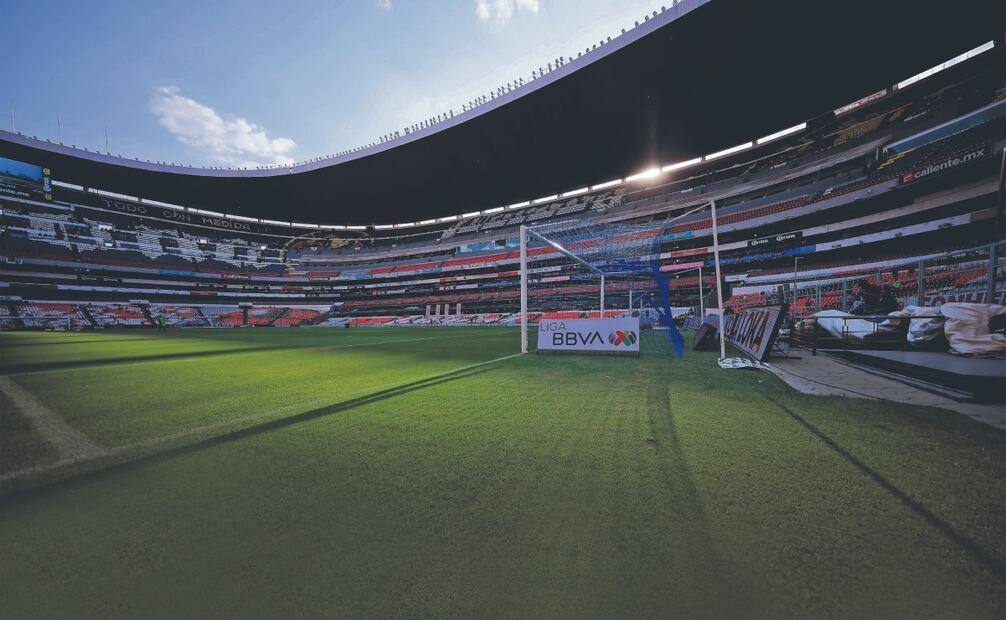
<point>283,313</point>
<point>202,315</point>
<point>87,315</point>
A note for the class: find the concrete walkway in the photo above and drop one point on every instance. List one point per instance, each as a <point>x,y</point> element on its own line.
<point>825,376</point>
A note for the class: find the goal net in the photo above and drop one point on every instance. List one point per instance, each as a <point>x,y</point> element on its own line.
<point>36,323</point>
<point>592,270</point>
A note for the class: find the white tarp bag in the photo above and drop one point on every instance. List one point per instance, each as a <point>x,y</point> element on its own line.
<point>925,327</point>
<point>857,329</point>
<point>967,329</point>
<point>743,362</point>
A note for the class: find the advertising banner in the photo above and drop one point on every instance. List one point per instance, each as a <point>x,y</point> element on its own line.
<point>974,154</point>
<point>754,330</point>
<point>775,240</point>
<point>595,335</point>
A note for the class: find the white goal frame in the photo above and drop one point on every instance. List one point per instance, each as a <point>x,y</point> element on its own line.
<point>526,233</point>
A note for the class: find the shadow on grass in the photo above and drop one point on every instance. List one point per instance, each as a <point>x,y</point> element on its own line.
<point>677,476</point>
<point>15,368</point>
<point>995,564</point>
<point>109,465</point>
<point>133,359</point>
<point>233,334</point>
<point>66,342</point>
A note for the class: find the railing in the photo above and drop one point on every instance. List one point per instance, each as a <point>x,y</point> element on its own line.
<point>876,332</point>
<point>975,275</point>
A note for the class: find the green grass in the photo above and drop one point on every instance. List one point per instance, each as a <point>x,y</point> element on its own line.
<point>352,473</point>
<point>20,445</point>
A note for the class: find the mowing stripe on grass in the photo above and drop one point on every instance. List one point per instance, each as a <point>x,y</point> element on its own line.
<point>185,357</point>
<point>355,400</point>
<point>69,443</point>
<point>313,403</point>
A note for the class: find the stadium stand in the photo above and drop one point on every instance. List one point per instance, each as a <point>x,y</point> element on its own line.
<point>906,177</point>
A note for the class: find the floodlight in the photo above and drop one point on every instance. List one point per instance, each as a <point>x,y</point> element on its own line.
<point>645,174</point>
<point>729,151</point>
<point>946,65</point>
<point>681,164</point>
<point>784,132</point>
<point>606,184</point>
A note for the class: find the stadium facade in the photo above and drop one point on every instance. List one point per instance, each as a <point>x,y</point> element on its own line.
<point>882,162</point>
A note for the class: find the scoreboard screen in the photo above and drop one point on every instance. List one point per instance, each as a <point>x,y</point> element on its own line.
<point>22,180</point>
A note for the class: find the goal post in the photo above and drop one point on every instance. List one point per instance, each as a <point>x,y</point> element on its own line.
<point>523,288</point>
<point>721,327</point>
<point>584,266</point>
<point>526,234</point>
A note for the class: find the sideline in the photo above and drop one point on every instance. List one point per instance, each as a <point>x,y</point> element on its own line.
<point>69,443</point>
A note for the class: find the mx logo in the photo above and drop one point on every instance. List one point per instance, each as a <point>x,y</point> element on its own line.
<point>617,337</point>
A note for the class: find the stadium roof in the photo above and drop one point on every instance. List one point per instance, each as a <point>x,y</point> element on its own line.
<point>702,76</point>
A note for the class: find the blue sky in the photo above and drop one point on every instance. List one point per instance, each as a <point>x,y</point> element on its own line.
<point>242,82</point>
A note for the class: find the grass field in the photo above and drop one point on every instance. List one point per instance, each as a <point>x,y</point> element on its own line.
<point>344,473</point>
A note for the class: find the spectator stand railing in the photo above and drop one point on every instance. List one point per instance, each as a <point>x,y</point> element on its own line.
<point>875,332</point>
<point>974,275</point>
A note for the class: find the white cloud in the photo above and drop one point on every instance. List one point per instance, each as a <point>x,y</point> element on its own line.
<point>232,141</point>
<point>385,4</point>
<point>463,80</point>
<point>501,11</point>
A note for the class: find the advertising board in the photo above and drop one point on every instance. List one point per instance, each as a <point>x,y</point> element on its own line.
<point>593,335</point>
<point>754,330</point>
<point>23,180</point>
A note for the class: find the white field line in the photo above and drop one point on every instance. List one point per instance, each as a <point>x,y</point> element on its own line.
<point>69,443</point>
<point>222,353</point>
<point>145,443</point>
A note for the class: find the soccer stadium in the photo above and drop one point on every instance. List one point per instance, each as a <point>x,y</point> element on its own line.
<point>703,317</point>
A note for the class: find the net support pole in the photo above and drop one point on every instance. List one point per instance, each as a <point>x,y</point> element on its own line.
<point>719,289</point>
<point>602,296</point>
<point>523,289</point>
<point>702,304</point>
